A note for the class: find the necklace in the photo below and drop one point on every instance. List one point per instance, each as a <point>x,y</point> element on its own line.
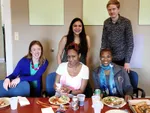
<point>73,66</point>
<point>74,70</point>
<point>32,65</point>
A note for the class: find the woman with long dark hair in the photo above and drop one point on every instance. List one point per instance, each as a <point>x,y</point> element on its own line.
<point>77,35</point>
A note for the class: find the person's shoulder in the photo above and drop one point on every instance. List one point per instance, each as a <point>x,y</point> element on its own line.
<point>88,41</point>
<point>63,64</point>
<point>84,66</point>
<point>118,68</point>
<point>107,20</point>
<point>96,70</point>
<point>84,71</point>
<point>87,36</point>
<point>46,61</point>
<point>63,40</point>
<point>24,59</point>
<point>124,19</point>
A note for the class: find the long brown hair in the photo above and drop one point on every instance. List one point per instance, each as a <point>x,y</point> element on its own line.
<point>29,55</point>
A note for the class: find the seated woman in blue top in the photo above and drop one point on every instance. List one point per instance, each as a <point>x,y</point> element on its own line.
<point>110,78</point>
<point>30,68</point>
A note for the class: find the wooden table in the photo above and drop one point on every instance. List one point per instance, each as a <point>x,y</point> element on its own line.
<point>35,108</point>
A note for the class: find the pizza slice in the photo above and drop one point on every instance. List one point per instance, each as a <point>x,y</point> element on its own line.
<point>2,103</point>
<point>142,107</point>
<point>63,99</point>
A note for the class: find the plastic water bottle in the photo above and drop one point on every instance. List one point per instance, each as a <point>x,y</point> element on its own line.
<point>97,92</point>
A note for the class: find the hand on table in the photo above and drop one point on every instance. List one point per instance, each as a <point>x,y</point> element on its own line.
<point>128,97</point>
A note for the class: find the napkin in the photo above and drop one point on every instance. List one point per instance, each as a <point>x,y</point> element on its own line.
<point>47,110</point>
<point>23,101</point>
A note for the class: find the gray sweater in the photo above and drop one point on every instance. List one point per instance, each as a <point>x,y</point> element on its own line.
<point>119,38</point>
<point>121,77</point>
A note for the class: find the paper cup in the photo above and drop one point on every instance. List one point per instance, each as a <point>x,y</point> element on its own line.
<point>81,98</point>
<point>13,103</point>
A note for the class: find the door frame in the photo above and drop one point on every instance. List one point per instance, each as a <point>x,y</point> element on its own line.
<point>8,36</point>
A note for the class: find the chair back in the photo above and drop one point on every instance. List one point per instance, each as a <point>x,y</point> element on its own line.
<point>134,82</point>
<point>133,79</point>
<point>88,90</point>
<point>50,79</point>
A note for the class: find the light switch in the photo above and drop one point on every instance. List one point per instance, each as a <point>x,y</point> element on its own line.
<point>16,35</point>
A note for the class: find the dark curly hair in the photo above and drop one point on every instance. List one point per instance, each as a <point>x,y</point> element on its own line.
<point>73,46</point>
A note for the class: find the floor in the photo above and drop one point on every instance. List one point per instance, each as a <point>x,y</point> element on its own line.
<point>2,71</point>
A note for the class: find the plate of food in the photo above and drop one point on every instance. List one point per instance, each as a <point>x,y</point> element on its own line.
<point>140,107</point>
<point>4,102</point>
<point>59,100</point>
<point>114,102</point>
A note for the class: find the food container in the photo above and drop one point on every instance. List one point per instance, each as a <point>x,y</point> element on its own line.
<point>140,105</point>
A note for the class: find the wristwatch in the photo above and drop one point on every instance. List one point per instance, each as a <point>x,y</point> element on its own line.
<point>70,91</point>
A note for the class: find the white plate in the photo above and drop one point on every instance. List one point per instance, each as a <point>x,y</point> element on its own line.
<point>6,101</point>
<point>56,101</point>
<point>116,111</point>
<point>112,101</point>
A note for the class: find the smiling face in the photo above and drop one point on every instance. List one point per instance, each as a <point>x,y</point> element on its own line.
<point>77,27</point>
<point>35,51</point>
<point>113,11</point>
<point>105,57</point>
<point>73,57</point>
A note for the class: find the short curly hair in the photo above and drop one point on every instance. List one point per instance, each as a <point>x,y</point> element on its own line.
<point>105,50</point>
<point>73,46</point>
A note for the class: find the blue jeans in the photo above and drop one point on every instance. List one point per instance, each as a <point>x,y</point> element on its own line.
<point>22,89</point>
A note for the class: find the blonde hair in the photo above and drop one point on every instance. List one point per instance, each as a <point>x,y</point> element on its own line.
<point>29,55</point>
<point>114,2</point>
